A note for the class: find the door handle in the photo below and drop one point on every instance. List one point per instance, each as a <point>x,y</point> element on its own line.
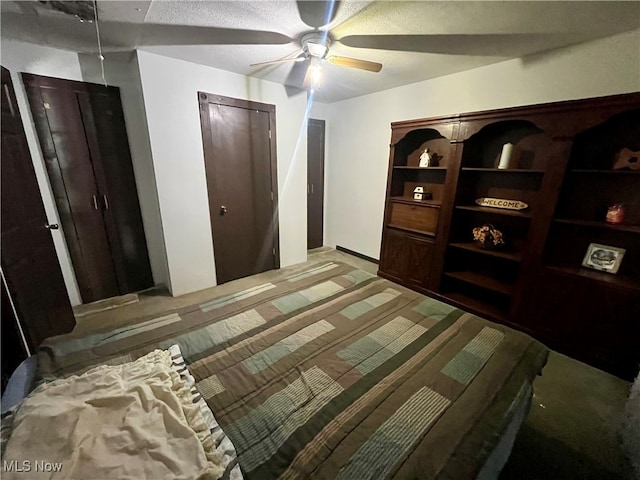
<point>106,202</point>
<point>223,209</point>
<point>95,202</point>
<point>52,226</point>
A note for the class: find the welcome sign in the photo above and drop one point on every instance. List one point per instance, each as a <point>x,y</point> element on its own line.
<point>501,203</point>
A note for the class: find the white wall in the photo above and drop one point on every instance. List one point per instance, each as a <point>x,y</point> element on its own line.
<point>24,57</point>
<point>170,89</point>
<point>121,70</point>
<point>360,129</point>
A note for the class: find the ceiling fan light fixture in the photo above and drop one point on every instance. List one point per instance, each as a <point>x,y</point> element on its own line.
<point>315,74</point>
<point>317,49</point>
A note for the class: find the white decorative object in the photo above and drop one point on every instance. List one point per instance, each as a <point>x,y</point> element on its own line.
<point>501,203</point>
<point>418,192</point>
<point>505,156</point>
<point>425,158</point>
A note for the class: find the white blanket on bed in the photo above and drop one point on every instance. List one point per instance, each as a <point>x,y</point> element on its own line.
<point>130,421</point>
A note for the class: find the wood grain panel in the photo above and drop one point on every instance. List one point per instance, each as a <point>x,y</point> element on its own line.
<point>415,217</point>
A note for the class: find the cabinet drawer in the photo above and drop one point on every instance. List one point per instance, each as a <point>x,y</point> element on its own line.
<point>415,217</point>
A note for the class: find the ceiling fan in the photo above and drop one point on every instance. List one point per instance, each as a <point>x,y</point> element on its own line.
<point>314,45</point>
<point>315,50</point>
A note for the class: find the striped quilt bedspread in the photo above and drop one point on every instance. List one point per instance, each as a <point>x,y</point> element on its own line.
<point>331,372</point>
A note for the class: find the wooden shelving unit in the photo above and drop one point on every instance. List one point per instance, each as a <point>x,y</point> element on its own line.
<point>561,168</point>
<point>482,281</point>
<point>605,172</point>
<point>411,201</point>
<point>473,247</point>
<point>474,305</point>
<point>494,211</point>
<point>412,230</point>
<point>599,224</point>
<point>423,169</point>
<point>502,170</point>
<point>595,275</point>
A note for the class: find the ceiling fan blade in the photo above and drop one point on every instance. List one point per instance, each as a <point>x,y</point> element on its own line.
<point>283,60</point>
<point>295,77</point>
<point>294,83</point>
<point>164,34</point>
<point>355,63</point>
<point>317,13</point>
<point>501,45</point>
<point>65,31</point>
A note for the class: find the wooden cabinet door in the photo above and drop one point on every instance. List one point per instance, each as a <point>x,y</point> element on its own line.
<point>419,262</point>
<point>394,258</point>
<point>406,258</point>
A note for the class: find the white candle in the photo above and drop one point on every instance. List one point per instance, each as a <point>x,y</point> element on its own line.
<point>505,156</point>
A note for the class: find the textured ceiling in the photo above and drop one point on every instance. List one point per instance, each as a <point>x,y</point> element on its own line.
<point>413,40</point>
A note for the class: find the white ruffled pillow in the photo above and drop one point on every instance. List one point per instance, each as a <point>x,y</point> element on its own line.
<point>136,420</point>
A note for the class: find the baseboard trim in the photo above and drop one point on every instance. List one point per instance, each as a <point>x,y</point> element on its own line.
<point>356,254</point>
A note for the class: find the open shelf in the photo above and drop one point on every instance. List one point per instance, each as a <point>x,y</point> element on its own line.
<point>412,230</point>
<point>605,172</point>
<point>469,303</point>
<point>611,279</point>
<point>502,170</point>
<point>482,280</point>
<point>473,247</point>
<point>411,201</point>
<point>495,211</point>
<point>599,224</point>
<point>405,167</point>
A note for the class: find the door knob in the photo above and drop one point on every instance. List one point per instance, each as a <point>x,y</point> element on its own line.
<point>52,226</point>
<point>223,209</point>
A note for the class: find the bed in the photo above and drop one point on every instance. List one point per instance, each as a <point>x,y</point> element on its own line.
<point>331,372</point>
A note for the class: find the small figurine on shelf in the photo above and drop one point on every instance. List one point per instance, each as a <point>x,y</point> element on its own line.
<point>425,158</point>
<point>420,194</point>
<point>487,236</point>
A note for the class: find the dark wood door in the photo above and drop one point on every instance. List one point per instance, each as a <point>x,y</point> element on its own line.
<point>240,162</point>
<point>107,139</point>
<point>84,143</point>
<point>29,261</point>
<point>315,182</point>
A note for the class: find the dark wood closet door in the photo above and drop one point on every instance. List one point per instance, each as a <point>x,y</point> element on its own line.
<point>315,182</point>
<point>29,262</point>
<point>107,139</point>
<point>239,146</point>
<point>71,171</point>
<point>84,142</point>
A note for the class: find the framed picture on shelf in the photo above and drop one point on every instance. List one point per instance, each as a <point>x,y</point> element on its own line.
<point>603,258</point>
